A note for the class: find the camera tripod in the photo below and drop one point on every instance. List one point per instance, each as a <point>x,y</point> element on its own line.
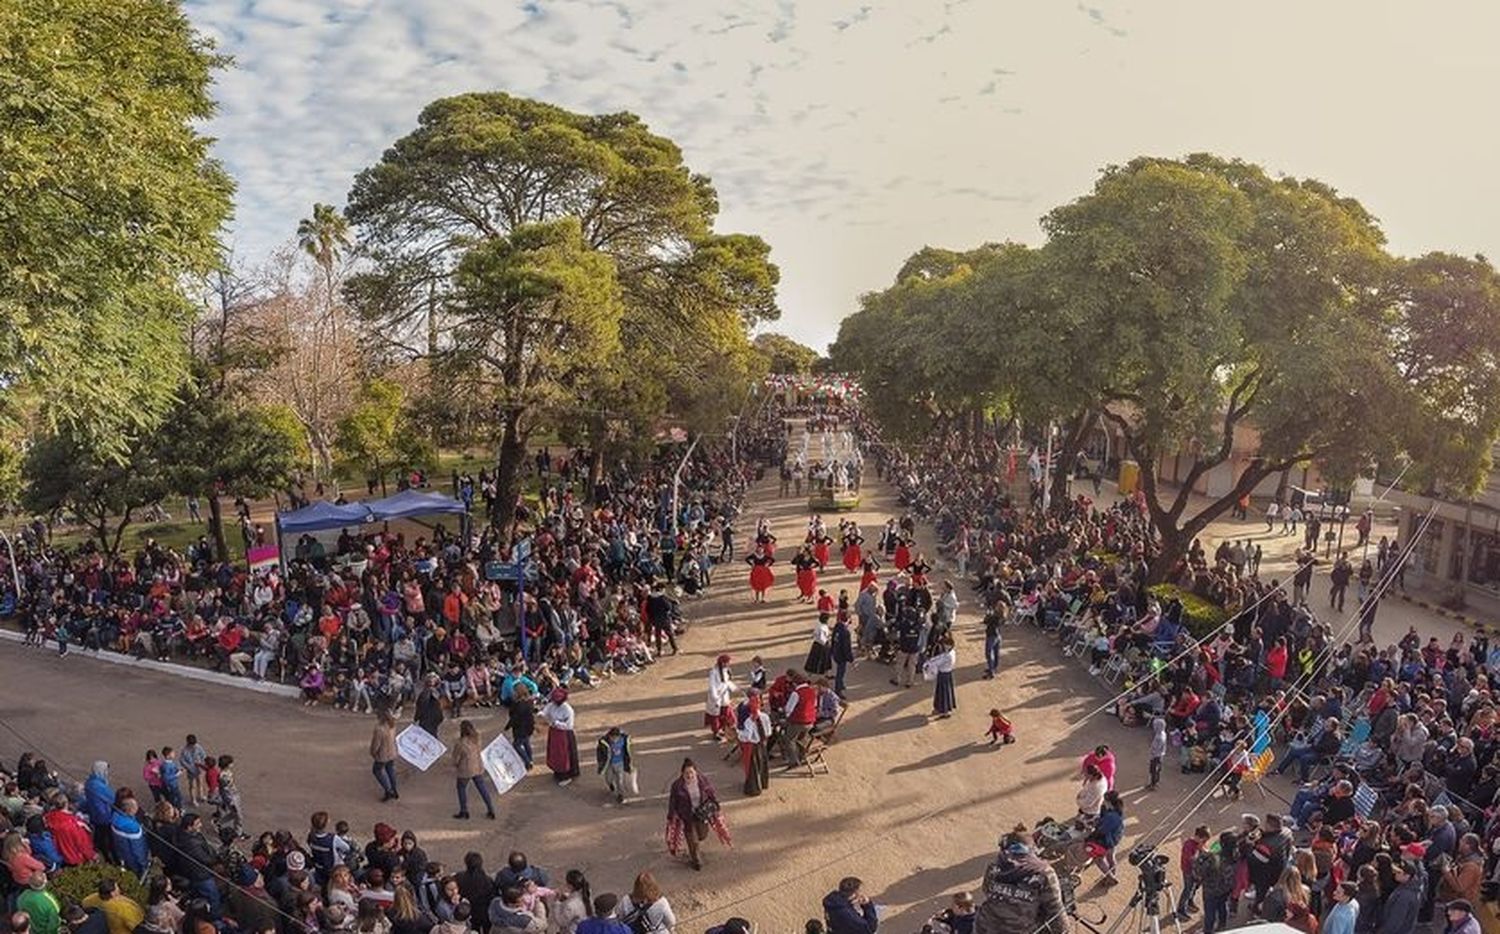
<point>1144,911</point>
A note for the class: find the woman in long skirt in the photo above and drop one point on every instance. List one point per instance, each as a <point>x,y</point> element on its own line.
<point>853,557</point>
<point>939,669</point>
<point>807,575</point>
<point>761,576</point>
<point>819,660</point>
<point>692,811</point>
<point>754,734</point>
<point>562,744</point>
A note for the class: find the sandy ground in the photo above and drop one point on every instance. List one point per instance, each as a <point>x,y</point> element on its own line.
<point>912,805</point>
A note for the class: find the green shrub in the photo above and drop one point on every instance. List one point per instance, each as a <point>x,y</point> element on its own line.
<point>1199,615</point>
<point>79,882</point>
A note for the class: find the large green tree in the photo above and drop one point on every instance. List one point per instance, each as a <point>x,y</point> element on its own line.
<point>379,434</point>
<point>784,355</point>
<point>1205,309</point>
<point>486,175</point>
<point>109,200</point>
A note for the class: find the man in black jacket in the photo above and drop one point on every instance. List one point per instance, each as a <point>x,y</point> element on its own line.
<point>1021,894</point>
<point>848,911</point>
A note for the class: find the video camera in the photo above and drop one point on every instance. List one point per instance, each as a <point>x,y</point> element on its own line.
<point>1152,868</point>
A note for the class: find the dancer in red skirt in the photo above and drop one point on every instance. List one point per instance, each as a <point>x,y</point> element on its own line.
<point>918,570</point>
<point>807,574</point>
<point>821,543</point>
<point>903,554</point>
<point>870,576</point>
<point>761,577</point>
<point>853,557</point>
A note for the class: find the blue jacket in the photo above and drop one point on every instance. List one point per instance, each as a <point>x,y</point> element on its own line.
<point>130,843</point>
<point>844,919</point>
<point>99,800</point>
<point>44,848</point>
<point>170,773</point>
<point>1109,829</point>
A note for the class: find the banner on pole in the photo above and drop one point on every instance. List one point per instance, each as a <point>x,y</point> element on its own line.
<point>503,763</point>
<point>419,747</point>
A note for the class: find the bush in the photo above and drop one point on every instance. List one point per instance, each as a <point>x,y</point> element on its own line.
<point>79,882</point>
<point>1199,615</point>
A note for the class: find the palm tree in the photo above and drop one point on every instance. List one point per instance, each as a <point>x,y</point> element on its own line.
<point>324,236</point>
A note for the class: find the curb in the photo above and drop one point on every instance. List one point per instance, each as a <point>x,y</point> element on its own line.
<point>179,671</point>
<point>1472,621</point>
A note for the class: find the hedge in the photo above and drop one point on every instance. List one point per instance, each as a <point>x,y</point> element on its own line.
<point>1200,616</point>
<point>79,882</point>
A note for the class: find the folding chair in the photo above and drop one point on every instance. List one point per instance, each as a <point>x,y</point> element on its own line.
<point>810,748</point>
<point>1356,737</point>
<point>1115,668</point>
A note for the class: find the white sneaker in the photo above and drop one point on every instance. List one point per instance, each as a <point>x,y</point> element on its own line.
<point>1093,669</point>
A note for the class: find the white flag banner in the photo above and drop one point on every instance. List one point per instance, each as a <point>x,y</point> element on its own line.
<point>419,747</point>
<point>503,763</point>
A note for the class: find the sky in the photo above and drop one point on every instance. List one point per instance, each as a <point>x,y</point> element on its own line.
<point>850,133</point>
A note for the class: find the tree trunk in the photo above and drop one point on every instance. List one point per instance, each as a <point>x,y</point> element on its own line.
<point>596,471</point>
<point>1282,483</point>
<point>508,470</point>
<point>1063,458</point>
<point>216,527</point>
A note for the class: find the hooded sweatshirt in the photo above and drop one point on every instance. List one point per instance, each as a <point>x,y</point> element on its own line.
<point>1158,737</point>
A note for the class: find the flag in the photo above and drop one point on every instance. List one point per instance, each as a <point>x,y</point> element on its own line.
<point>1364,800</point>
<point>1010,470</point>
<point>1262,732</point>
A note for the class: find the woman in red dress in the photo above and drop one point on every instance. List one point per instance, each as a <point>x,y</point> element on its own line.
<point>853,557</point>
<point>820,544</point>
<point>870,576</point>
<point>807,575</point>
<point>761,577</point>
<point>903,554</point>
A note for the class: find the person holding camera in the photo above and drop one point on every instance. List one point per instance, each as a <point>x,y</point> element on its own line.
<point>1021,893</point>
<point>848,911</point>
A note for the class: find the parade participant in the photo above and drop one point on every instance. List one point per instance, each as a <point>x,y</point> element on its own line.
<point>716,712</point>
<point>801,712</point>
<point>755,732</point>
<point>819,659</point>
<point>807,575</point>
<point>761,575</point>
<point>692,810</point>
<point>562,744</point>
<point>468,766</point>
<point>383,756</point>
<point>853,556</point>
<point>821,544</point>
<point>842,650</point>
<point>612,755</point>
<point>939,670</point>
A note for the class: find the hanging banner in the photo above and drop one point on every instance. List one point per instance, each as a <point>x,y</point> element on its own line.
<point>419,747</point>
<point>264,556</point>
<point>503,764</point>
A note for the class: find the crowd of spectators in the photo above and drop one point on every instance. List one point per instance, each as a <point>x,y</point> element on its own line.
<point>1395,818</point>
<point>362,623</point>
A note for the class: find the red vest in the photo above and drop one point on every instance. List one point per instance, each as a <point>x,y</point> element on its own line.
<point>806,711</point>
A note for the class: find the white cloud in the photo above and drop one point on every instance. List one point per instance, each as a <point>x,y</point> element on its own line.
<point>851,132</point>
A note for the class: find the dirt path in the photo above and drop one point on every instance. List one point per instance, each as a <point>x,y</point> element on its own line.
<point>912,806</point>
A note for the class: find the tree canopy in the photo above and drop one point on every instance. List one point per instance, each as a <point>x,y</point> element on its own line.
<point>784,355</point>
<point>108,200</point>
<point>1196,304</point>
<point>558,262</point>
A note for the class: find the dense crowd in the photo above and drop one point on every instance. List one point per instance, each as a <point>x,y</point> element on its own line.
<point>1394,821</point>
<point>364,624</point>
<point>177,875</point>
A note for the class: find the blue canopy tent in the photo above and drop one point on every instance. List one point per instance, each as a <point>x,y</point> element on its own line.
<point>323,515</point>
<point>318,517</point>
<point>409,503</point>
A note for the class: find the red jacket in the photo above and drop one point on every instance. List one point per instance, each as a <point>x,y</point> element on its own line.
<point>71,834</point>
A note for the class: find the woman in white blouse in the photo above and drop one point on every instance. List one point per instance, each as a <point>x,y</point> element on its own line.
<point>716,713</point>
<point>1091,791</point>
<point>562,745</point>
<point>939,670</point>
